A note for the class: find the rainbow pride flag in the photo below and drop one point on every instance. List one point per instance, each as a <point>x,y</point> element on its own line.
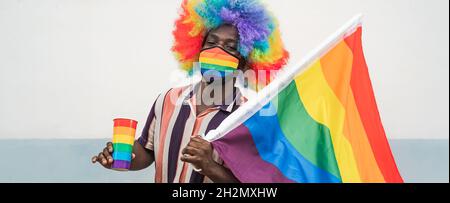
<point>324,125</point>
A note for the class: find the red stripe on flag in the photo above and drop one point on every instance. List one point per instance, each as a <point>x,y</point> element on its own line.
<point>367,107</point>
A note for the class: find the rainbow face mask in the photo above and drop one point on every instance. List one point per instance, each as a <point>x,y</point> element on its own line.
<point>216,62</point>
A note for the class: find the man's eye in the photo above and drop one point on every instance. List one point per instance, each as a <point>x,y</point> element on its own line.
<point>231,48</point>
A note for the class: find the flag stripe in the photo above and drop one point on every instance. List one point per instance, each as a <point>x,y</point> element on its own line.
<point>277,150</point>
<point>366,104</point>
<point>337,67</point>
<point>239,153</point>
<point>325,108</point>
<point>308,137</point>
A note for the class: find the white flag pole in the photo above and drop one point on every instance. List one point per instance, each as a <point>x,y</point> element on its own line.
<point>281,81</point>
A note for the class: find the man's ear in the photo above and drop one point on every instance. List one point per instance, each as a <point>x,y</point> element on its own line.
<point>205,37</point>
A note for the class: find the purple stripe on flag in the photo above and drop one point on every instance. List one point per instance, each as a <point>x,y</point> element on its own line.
<point>238,150</point>
<point>118,164</point>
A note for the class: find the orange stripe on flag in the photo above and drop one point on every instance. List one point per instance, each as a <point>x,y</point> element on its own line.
<point>337,66</point>
<point>368,110</point>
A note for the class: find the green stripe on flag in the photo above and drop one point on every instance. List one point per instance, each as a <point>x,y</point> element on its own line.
<point>310,138</point>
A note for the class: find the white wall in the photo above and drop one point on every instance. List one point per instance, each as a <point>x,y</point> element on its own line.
<point>67,68</point>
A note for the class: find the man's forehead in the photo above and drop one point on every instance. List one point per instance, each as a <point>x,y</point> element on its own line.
<point>225,32</point>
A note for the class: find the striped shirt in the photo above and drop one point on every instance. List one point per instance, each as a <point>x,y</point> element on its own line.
<point>171,123</point>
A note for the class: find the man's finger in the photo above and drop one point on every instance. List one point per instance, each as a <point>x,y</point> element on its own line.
<point>191,151</point>
<point>189,159</point>
<point>101,158</point>
<point>94,159</point>
<point>107,155</point>
<point>195,144</point>
<point>133,156</point>
<point>109,145</point>
<point>198,140</point>
<point>196,136</point>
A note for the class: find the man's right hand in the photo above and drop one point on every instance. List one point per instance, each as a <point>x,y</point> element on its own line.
<point>105,157</point>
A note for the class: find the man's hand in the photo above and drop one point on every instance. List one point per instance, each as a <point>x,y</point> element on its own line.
<point>105,157</point>
<point>199,153</point>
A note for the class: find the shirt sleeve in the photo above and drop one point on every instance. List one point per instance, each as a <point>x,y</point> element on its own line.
<point>146,138</point>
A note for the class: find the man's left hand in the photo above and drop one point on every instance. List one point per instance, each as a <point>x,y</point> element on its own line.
<point>199,153</point>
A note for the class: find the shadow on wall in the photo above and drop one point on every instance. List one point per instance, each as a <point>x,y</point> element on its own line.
<point>69,161</point>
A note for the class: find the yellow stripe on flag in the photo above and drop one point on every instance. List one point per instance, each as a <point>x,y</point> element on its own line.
<point>324,107</point>
<point>337,69</point>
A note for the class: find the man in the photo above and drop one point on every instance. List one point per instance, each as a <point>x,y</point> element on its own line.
<point>224,37</point>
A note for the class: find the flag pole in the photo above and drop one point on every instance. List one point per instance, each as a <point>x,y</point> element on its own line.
<point>281,81</point>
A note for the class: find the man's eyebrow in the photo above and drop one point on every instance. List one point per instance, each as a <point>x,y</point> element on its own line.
<point>213,35</point>
<point>231,40</point>
<point>228,40</point>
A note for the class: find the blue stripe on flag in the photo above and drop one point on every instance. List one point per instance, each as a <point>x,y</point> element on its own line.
<point>274,148</point>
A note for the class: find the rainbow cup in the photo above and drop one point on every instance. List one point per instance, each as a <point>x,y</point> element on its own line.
<point>123,141</point>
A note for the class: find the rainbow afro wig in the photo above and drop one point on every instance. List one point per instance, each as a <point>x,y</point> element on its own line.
<point>259,36</point>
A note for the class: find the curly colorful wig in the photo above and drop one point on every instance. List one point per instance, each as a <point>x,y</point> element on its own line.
<point>259,36</point>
